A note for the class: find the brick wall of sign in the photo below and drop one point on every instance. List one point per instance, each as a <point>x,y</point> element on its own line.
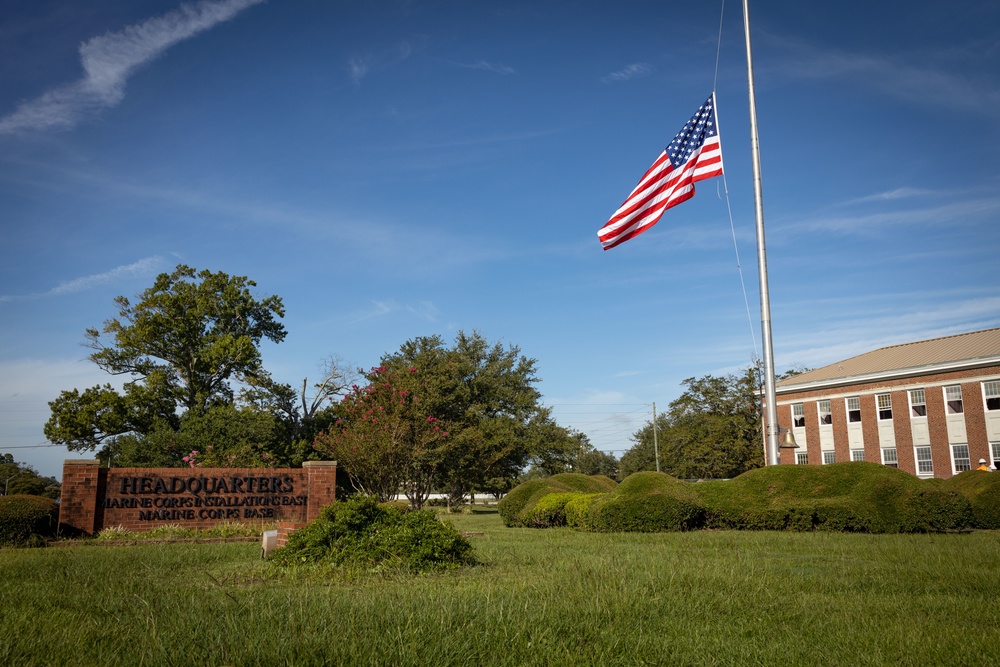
<point>140,499</point>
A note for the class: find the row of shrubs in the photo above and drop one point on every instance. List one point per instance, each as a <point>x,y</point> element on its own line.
<point>27,520</point>
<point>850,497</point>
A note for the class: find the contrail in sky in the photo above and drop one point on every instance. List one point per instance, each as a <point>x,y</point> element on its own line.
<point>109,60</point>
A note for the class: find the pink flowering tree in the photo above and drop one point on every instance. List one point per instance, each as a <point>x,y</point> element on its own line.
<point>386,438</point>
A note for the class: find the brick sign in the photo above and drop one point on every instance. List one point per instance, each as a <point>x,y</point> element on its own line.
<point>140,499</point>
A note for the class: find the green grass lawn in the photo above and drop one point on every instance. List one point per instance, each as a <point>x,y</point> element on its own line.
<point>541,597</point>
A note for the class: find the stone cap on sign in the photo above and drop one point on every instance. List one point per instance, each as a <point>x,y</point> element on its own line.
<point>319,464</point>
<point>81,462</point>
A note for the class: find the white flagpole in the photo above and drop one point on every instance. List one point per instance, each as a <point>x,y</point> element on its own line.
<point>770,406</point>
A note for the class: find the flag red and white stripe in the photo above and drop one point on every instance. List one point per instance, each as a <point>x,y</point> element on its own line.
<point>694,155</point>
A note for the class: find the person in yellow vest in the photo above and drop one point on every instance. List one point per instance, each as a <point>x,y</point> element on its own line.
<point>983,465</point>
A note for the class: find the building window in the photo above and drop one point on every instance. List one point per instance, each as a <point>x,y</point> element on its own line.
<point>829,457</point>
<point>857,455</point>
<point>889,457</point>
<point>918,403</point>
<point>960,457</point>
<point>884,402</point>
<point>995,448</point>
<point>824,412</point>
<point>801,458</point>
<point>992,392</point>
<point>925,466</point>
<point>798,414</point>
<point>953,399</point>
<point>854,409</point>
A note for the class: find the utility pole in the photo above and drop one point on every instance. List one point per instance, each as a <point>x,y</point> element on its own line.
<point>656,442</point>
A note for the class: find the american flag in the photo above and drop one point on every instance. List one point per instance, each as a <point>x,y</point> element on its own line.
<point>694,155</point>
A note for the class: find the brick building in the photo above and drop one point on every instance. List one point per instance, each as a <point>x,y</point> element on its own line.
<point>931,408</point>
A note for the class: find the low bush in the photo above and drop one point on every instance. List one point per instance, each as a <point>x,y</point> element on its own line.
<point>578,508</point>
<point>549,511</point>
<point>647,502</point>
<point>173,532</point>
<point>846,497</point>
<point>523,497</point>
<point>982,490</point>
<point>27,520</point>
<point>361,534</point>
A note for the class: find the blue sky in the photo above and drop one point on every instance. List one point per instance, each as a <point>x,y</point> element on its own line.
<point>397,169</point>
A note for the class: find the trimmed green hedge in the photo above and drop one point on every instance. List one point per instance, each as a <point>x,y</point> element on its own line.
<point>27,520</point>
<point>647,502</point>
<point>522,498</point>
<point>549,511</point>
<point>847,497</point>
<point>982,489</point>
<point>361,534</point>
<point>578,510</point>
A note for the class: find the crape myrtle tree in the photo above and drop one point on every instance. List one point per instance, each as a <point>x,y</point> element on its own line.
<point>195,390</point>
<point>481,394</point>
<point>712,431</point>
<point>385,437</point>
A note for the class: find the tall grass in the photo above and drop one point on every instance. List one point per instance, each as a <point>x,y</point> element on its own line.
<point>553,597</point>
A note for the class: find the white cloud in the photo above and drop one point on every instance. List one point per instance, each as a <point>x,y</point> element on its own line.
<point>146,266</point>
<point>871,324</point>
<point>928,79</point>
<point>488,67</point>
<point>109,60</point>
<point>425,310</point>
<point>965,211</point>
<point>377,309</point>
<point>358,68</point>
<point>892,195</point>
<point>632,71</point>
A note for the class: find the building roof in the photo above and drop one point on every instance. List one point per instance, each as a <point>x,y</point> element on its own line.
<point>968,350</point>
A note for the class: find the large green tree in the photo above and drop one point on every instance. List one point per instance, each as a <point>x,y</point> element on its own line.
<point>20,478</point>
<point>712,430</point>
<point>181,346</point>
<point>483,394</point>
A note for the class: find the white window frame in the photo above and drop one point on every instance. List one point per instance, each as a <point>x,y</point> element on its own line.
<point>883,403</point>
<point>856,402</point>
<point>918,403</point>
<point>950,400</point>
<point>995,453</point>
<point>798,415</point>
<point>829,457</point>
<point>801,458</point>
<point>991,392</point>
<point>960,463</point>
<point>890,457</point>
<point>925,466</point>
<point>857,455</point>
<point>825,415</point>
